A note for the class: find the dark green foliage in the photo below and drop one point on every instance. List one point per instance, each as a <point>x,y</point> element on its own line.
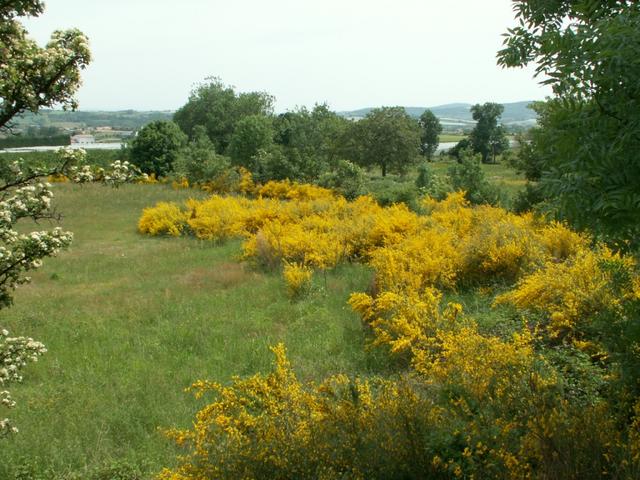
<point>388,191</point>
<point>347,178</point>
<point>527,160</point>
<point>430,129</point>
<point>310,140</point>
<point>467,175</point>
<point>219,108</point>
<point>619,328</point>
<point>462,145</point>
<point>252,133</point>
<point>588,167</point>
<point>273,164</point>
<point>387,137</point>
<point>588,142</point>
<point>431,184</point>
<point>487,137</point>
<point>531,198</point>
<point>582,380</point>
<point>33,141</point>
<point>425,176</point>
<point>198,162</point>
<point>156,147</point>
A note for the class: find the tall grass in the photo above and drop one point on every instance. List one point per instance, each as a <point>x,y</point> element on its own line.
<point>130,321</point>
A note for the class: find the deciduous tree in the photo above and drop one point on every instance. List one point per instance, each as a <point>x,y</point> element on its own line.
<point>157,146</point>
<point>219,108</point>
<point>588,143</point>
<point>487,137</point>
<point>430,130</point>
<point>386,137</point>
<point>252,133</point>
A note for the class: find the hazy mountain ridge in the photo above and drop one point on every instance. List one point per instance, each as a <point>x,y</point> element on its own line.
<point>514,112</point>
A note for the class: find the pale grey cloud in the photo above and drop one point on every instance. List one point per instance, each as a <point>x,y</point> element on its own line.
<point>349,53</point>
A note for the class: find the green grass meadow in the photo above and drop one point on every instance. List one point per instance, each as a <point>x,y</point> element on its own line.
<point>130,321</point>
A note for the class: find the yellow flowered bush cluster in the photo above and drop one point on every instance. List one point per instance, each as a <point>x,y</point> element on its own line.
<point>287,190</point>
<point>164,218</point>
<point>467,403</point>
<point>449,419</point>
<point>274,426</point>
<point>298,279</point>
<point>571,293</point>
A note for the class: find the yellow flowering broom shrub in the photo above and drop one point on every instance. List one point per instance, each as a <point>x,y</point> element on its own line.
<point>246,185</point>
<point>287,190</point>
<point>571,293</point>
<point>274,426</point>
<point>216,218</point>
<point>404,321</point>
<point>298,279</point>
<point>467,404</point>
<point>164,218</point>
<point>476,407</point>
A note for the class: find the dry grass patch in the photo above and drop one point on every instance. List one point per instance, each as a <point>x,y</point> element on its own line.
<point>223,275</point>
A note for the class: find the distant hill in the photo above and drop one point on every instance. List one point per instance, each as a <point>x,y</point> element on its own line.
<point>459,113</point>
<point>119,120</point>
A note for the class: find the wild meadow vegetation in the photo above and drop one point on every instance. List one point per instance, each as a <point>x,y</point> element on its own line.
<point>126,315</point>
<point>303,296</point>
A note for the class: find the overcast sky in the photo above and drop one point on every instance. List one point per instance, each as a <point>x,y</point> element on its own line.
<point>148,54</point>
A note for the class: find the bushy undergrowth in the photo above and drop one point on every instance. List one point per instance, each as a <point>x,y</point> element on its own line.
<point>556,397</point>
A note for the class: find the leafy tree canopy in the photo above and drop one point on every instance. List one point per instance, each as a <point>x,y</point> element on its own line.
<point>430,130</point>
<point>198,162</point>
<point>386,137</point>
<point>157,146</point>
<point>487,137</point>
<point>219,108</point>
<point>311,139</point>
<point>588,144</point>
<point>252,133</point>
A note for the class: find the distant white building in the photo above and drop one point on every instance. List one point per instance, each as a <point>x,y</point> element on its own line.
<point>81,139</point>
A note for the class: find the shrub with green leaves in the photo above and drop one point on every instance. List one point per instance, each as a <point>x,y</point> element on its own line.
<point>347,178</point>
<point>198,162</point>
<point>157,146</point>
<point>467,175</point>
<point>430,183</point>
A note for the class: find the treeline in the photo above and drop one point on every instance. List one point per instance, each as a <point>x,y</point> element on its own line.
<point>219,130</point>
<point>19,141</point>
<point>35,137</point>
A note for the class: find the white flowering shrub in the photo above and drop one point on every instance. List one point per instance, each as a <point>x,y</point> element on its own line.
<point>32,77</point>
<point>122,172</point>
<point>15,353</point>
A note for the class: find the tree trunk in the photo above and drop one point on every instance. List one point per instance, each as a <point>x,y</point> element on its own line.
<point>384,169</point>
